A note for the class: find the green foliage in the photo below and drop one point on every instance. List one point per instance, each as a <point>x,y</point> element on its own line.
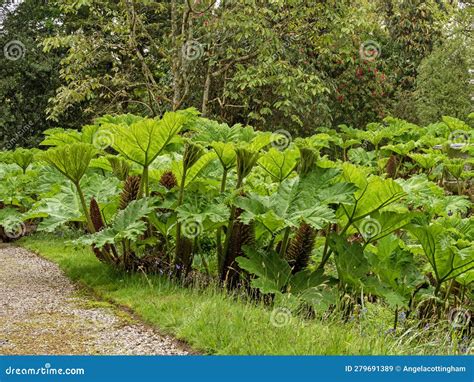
<point>273,275</point>
<point>316,215</point>
<point>309,226</point>
<point>446,259</point>
<point>23,158</point>
<point>351,262</point>
<point>271,270</point>
<point>300,199</point>
<point>143,140</point>
<point>395,267</point>
<point>249,62</point>
<point>32,77</point>
<point>71,160</point>
<point>373,194</point>
<point>279,165</point>
<point>442,87</point>
<point>190,313</point>
<point>127,224</point>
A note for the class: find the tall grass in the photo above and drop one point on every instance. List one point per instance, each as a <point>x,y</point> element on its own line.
<point>215,323</point>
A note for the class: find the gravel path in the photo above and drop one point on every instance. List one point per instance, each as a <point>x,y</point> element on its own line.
<point>42,312</point>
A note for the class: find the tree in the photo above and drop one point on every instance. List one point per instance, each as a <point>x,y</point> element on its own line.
<point>28,77</point>
<point>250,62</point>
<point>443,83</point>
<point>414,28</point>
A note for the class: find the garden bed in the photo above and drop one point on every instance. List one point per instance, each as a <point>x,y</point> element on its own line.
<point>215,323</point>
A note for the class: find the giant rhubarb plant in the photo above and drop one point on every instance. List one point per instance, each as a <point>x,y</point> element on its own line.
<point>142,140</point>
<point>72,160</point>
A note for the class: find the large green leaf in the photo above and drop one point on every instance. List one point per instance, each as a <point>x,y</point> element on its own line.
<point>123,119</point>
<point>127,224</point>
<point>203,213</point>
<point>402,149</point>
<point>271,271</point>
<point>59,137</point>
<point>351,263</point>
<point>299,199</point>
<point>193,172</point>
<point>374,193</point>
<point>306,279</point>
<point>57,210</point>
<point>446,260</point>
<point>11,220</point>
<point>23,157</point>
<point>226,154</point>
<point>308,198</point>
<point>374,136</point>
<point>64,206</point>
<point>142,141</point>
<point>381,224</point>
<point>279,164</point>
<point>71,160</point>
<point>395,267</point>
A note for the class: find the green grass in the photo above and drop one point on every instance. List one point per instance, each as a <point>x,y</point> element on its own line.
<point>215,323</point>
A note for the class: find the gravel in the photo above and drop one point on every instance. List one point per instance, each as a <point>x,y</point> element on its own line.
<point>42,312</point>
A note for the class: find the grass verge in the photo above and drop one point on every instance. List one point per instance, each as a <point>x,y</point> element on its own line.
<point>212,322</point>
